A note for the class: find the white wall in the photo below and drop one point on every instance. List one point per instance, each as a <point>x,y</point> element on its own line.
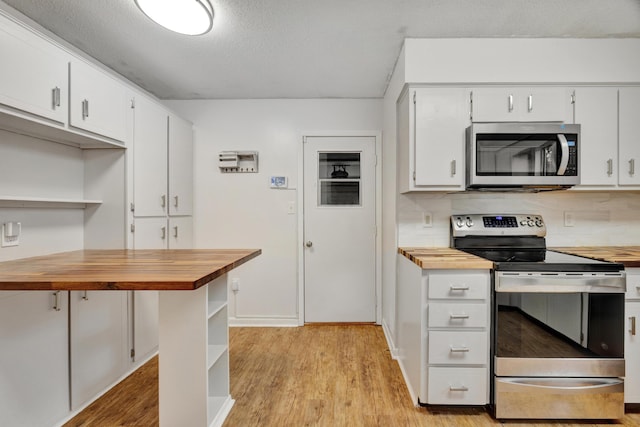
<point>34,168</point>
<point>240,210</point>
<point>602,218</point>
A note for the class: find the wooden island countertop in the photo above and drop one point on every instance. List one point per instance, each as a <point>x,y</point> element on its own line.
<point>121,269</point>
<point>444,258</point>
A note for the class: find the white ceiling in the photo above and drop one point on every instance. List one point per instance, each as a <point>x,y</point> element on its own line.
<point>305,48</point>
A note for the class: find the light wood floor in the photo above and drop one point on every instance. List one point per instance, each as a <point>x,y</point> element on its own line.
<point>316,375</point>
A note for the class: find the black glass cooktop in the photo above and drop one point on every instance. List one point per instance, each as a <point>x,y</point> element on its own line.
<point>538,259</point>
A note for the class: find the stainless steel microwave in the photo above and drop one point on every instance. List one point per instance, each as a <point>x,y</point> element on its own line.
<point>523,155</point>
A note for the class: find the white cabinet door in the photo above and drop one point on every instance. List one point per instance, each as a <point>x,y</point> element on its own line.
<point>33,75</point>
<point>34,358</point>
<point>180,166</point>
<point>441,117</point>
<point>629,139</point>
<point>535,104</point>
<point>98,103</point>
<point>150,233</point>
<point>150,159</point>
<point>180,232</point>
<point>596,110</point>
<point>632,352</point>
<point>98,342</point>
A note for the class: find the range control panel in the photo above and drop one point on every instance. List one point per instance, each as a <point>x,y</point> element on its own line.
<point>498,225</point>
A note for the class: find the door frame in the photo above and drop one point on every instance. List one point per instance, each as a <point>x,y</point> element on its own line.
<point>378,214</point>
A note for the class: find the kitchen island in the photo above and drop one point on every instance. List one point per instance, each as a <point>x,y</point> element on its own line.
<point>193,335</point>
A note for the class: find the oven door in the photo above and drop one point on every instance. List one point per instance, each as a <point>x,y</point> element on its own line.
<point>559,325</point>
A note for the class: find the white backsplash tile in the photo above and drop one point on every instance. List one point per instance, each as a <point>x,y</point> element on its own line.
<point>600,218</point>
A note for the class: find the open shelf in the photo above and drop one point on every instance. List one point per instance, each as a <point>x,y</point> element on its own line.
<point>214,352</point>
<point>45,202</point>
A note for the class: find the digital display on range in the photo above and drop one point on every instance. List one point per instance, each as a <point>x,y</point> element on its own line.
<point>500,221</point>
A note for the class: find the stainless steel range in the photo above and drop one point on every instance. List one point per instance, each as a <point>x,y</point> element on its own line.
<point>558,322</point>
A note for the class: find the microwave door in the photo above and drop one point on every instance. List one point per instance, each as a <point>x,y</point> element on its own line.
<point>564,160</point>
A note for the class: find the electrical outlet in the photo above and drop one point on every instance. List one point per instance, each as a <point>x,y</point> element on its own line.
<point>427,219</point>
<point>291,208</point>
<point>235,284</point>
<point>10,235</point>
<point>569,219</point>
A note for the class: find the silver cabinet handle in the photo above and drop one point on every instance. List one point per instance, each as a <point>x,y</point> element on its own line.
<point>163,200</point>
<point>510,103</point>
<point>610,167</point>
<point>459,349</point>
<point>632,320</point>
<point>309,244</point>
<point>458,388</point>
<point>175,201</point>
<point>56,97</point>
<point>175,231</point>
<point>530,103</point>
<point>56,301</point>
<point>163,232</point>
<point>453,167</point>
<point>85,109</point>
<point>632,167</point>
<point>458,316</point>
<point>85,296</point>
<point>459,288</point>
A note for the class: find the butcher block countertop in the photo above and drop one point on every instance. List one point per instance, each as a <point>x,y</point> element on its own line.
<point>444,258</point>
<point>121,269</point>
<point>629,256</point>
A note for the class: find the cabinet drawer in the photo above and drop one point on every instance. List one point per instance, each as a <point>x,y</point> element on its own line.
<point>457,386</point>
<point>465,348</point>
<point>457,315</point>
<point>458,286</point>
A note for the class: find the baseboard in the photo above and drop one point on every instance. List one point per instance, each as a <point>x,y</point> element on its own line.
<point>389,337</point>
<point>272,322</point>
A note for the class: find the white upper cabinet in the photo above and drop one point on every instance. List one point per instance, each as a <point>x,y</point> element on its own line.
<point>596,111</point>
<point>180,166</point>
<point>150,158</point>
<point>33,75</point>
<point>629,141</point>
<point>521,104</point>
<point>98,103</point>
<point>431,139</point>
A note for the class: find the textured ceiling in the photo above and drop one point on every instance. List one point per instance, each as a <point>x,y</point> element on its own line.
<point>305,48</point>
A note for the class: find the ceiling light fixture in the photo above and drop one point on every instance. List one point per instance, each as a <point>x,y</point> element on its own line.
<point>191,17</point>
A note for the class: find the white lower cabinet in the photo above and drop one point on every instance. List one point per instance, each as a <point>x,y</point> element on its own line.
<point>443,334</point>
<point>98,342</point>
<point>632,338</point>
<point>34,358</point>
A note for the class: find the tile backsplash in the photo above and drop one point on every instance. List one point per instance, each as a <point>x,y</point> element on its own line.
<point>591,218</point>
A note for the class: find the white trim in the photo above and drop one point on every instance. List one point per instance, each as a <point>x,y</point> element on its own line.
<point>378,209</point>
<point>389,337</point>
<point>271,322</point>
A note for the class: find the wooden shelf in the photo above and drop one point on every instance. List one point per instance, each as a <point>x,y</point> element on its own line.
<point>45,202</point>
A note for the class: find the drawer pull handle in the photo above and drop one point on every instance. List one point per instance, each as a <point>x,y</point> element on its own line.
<point>459,288</point>
<point>458,388</point>
<point>459,349</point>
<point>458,316</point>
<point>633,325</point>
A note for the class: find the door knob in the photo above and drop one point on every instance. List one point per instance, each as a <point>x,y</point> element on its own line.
<point>309,244</point>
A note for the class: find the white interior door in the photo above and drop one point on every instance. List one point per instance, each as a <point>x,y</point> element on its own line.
<point>339,229</point>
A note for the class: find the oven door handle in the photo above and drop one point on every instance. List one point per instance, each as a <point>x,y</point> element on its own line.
<point>560,283</point>
<point>564,383</point>
<point>564,161</point>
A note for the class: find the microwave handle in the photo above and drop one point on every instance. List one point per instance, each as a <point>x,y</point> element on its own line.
<point>564,145</point>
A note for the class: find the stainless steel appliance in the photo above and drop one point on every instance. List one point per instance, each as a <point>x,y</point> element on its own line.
<point>558,321</point>
<point>523,155</point>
